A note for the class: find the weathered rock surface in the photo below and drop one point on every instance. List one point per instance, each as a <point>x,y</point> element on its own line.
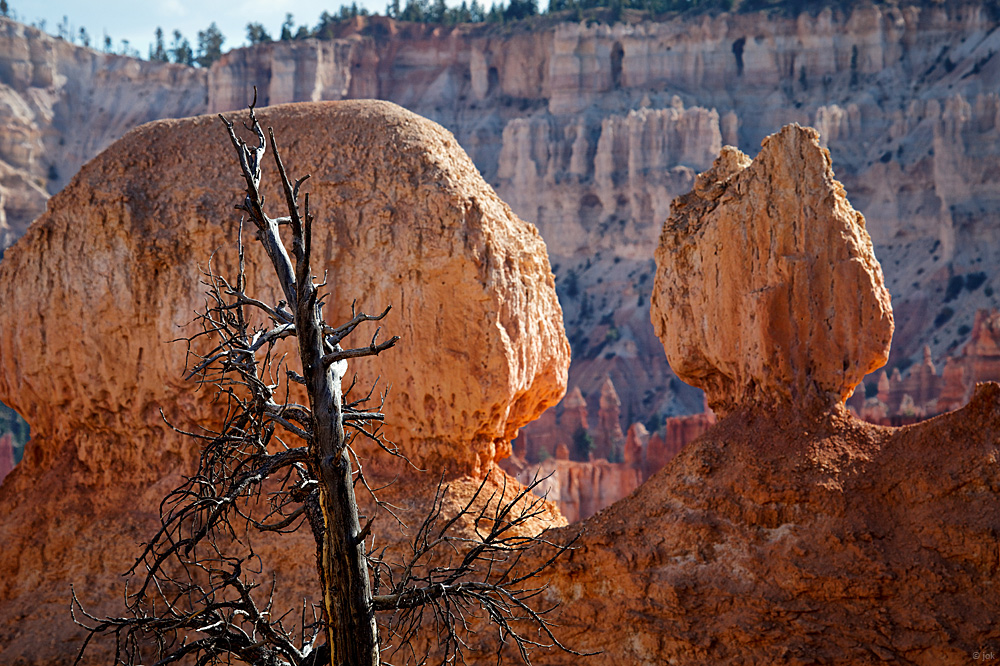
<point>775,539</point>
<point>60,105</point>
<point>149,219</point>
<point>403,218</point>
<point>923,392</point>
<point>791,532</point>
<point>767,290</point>
<point>609,440</point>
<point>614,465</point>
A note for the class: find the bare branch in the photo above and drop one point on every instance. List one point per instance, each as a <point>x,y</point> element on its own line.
<point>371,350</point>
<point>197,592</point>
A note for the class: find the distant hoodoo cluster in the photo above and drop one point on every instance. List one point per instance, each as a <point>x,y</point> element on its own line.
<point>923,392</point>
<point>591,463</point>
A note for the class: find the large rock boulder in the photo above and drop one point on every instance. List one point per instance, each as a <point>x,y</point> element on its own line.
<point>767,289</point>
<point>96,290</point>
<point>403,219</point>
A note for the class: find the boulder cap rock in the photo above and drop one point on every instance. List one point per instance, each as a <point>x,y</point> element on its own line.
<point>767,288</point>
<point>403,218</point>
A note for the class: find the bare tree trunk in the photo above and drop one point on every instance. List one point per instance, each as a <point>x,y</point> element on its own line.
<point>352,633</point>
<point>196,602</point>
<point>347,600</point>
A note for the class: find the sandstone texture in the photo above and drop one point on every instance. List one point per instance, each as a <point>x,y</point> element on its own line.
<point>403,219</point>
<point>778,539</point>
<point>60,105</point>
<point>782,536</point>
<point>791,532</point>
<point>767,289</point>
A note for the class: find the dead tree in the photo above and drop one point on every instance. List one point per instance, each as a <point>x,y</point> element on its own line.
<point>276,465</point>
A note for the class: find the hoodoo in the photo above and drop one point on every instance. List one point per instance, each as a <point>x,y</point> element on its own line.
<point>403,219</point>
<point>767,290</point>
<point>791,532</point>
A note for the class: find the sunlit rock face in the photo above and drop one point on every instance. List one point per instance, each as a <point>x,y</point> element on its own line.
<point>791,531</point>
<point>61,104</point>
<point>590,130</point>
<point>767,288</point>
<point>102,283</point>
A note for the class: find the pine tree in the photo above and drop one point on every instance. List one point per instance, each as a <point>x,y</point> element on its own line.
<point>256,34</point>
<point>157,51</point>
<point>209,45</point>
<point>286,28</point>
<point>180,50</point>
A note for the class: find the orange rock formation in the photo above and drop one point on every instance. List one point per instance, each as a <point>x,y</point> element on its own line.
<point>791,533</point>
<point>403,218</point>
<point>784,538</point>
<point>609,441</point>
<point>750,260</point>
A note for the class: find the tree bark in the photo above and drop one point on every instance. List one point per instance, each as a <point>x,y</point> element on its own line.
<point>347,600</point>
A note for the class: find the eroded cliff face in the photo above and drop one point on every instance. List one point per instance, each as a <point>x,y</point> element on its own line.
<point>589,131</point>
<point>61,104</point>
<point>85,350</point>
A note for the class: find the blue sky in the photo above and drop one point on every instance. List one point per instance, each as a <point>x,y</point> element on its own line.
<point>136,20</point>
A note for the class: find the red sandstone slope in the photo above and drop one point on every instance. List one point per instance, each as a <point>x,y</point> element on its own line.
<point>779,539</point>
<point>791,533</point>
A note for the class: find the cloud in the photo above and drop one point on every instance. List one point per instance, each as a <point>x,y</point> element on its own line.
<point>173,9</point>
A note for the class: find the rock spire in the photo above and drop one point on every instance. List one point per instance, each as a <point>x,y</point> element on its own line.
<point>767,288</point>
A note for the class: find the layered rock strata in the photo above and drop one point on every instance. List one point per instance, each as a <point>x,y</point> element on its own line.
<point>403,219</point>
<point>581,489</point>
<point>60,105</point>
<point>589,130</point>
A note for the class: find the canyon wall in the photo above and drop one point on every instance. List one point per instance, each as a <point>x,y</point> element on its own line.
<point>585,468</point>
<point>60,105</point>
<point>590,130</point>
<point>791,534</point>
